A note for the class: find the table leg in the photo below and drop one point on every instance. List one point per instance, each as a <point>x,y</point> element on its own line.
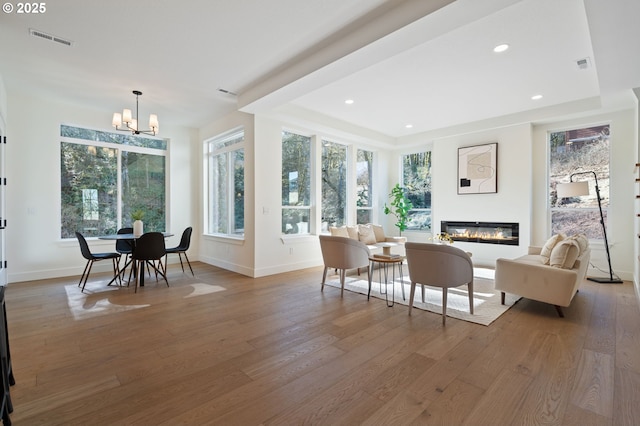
<point>401,273</point>
<point>393,283</point>
<point>369,274</point>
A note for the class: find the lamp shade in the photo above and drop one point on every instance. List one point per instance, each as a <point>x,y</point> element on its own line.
<point>572,189</point>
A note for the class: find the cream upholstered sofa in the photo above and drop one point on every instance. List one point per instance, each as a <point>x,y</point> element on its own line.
<point>551,274</point>
<point>370,234</point>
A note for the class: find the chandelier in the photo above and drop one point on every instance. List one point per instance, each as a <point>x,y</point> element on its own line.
<point>131,123</point>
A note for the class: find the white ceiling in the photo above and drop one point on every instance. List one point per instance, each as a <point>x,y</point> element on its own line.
<point>425,63</point>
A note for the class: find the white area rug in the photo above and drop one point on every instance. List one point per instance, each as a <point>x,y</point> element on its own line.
<point>486,300</point>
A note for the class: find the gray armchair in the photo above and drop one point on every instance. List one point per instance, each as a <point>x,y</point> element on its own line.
<point>439,265</point>
<point>343,253</point>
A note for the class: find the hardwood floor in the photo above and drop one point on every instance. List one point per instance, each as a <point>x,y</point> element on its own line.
<point>222,348</point>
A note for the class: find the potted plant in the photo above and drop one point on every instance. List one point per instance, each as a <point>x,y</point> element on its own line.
<point>399,207</point>
<point>138,225</point>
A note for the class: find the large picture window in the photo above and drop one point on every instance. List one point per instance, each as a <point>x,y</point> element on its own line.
<point>226,184</point>
<point>574,151</point>
<point>296,183</point>
<point>416,178</point>
<point>105,177</point>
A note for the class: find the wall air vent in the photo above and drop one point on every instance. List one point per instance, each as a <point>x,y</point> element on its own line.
<point>55,39</point>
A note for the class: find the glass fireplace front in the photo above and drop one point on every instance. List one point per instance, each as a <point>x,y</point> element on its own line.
<point>506,233</point>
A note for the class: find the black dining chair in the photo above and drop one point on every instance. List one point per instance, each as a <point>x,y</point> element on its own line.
<point>149,249</point>
<point>96,257</point>
<point>125,247</point>
<point>181,249</point>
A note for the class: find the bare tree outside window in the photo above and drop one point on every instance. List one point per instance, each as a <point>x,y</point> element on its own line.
<point>574,151</point>
<point>364,186</point>
<point>334,184</point>
<point>296,183</point>
<point>226,184</point>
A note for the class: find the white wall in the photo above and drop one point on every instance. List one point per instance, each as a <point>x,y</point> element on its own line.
<point>512,202</point>
<point>35,249</point>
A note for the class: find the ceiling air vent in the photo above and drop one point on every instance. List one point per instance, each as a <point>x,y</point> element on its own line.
<point>55,39</point>
<point>583,64</point>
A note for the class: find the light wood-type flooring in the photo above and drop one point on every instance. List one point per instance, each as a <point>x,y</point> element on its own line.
<point>226,349</point>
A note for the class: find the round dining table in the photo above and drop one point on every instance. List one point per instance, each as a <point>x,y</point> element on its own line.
<point>132,238</point>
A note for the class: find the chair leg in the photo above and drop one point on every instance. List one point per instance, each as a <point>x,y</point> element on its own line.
<point>324,277</point>
<point>188,263</point>
<point>502,297</point>
<point>86,277</point>
<point>412,293</point>
<point>84,272</point>
<point>343,273</point>
<point>470,291</point>
<point>444,304</point>
<point>181,265</point>
<point>422,285</point>
<point>559,310</point>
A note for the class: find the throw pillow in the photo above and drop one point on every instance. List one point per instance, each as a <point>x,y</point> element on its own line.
<point>339,232</point>
<point>549,245</point>
<point>564,254</point>
<point>582,241</point>
<point>353,232</point>
<point>366,234</point>
<point>379,233</point>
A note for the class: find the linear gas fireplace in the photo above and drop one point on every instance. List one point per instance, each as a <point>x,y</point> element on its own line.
<point>506,233</point>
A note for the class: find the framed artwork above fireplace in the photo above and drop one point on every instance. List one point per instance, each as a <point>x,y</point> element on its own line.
<point>478,169</point>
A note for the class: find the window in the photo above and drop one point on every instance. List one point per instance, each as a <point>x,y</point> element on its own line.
<point>226,184</point>
<point>364,183</point>
<point>334,184</point>
<point>90,204</point>
<point>575,151</point>
<point>105,176</point>
<point>416,178</point>
<point>296,183</point>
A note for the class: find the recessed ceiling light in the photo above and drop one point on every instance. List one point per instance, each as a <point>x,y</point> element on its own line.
<point>349,101</point>
<point>409,126</point>
<point>536,97</point>
<point>501,48</point>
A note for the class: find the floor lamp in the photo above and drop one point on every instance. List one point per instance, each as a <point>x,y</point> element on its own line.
<point>576,189</point>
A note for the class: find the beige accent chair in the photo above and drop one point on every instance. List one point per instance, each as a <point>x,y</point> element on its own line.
<point>439,265</point>
<point>533,276</point>
<point>343,253</point>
